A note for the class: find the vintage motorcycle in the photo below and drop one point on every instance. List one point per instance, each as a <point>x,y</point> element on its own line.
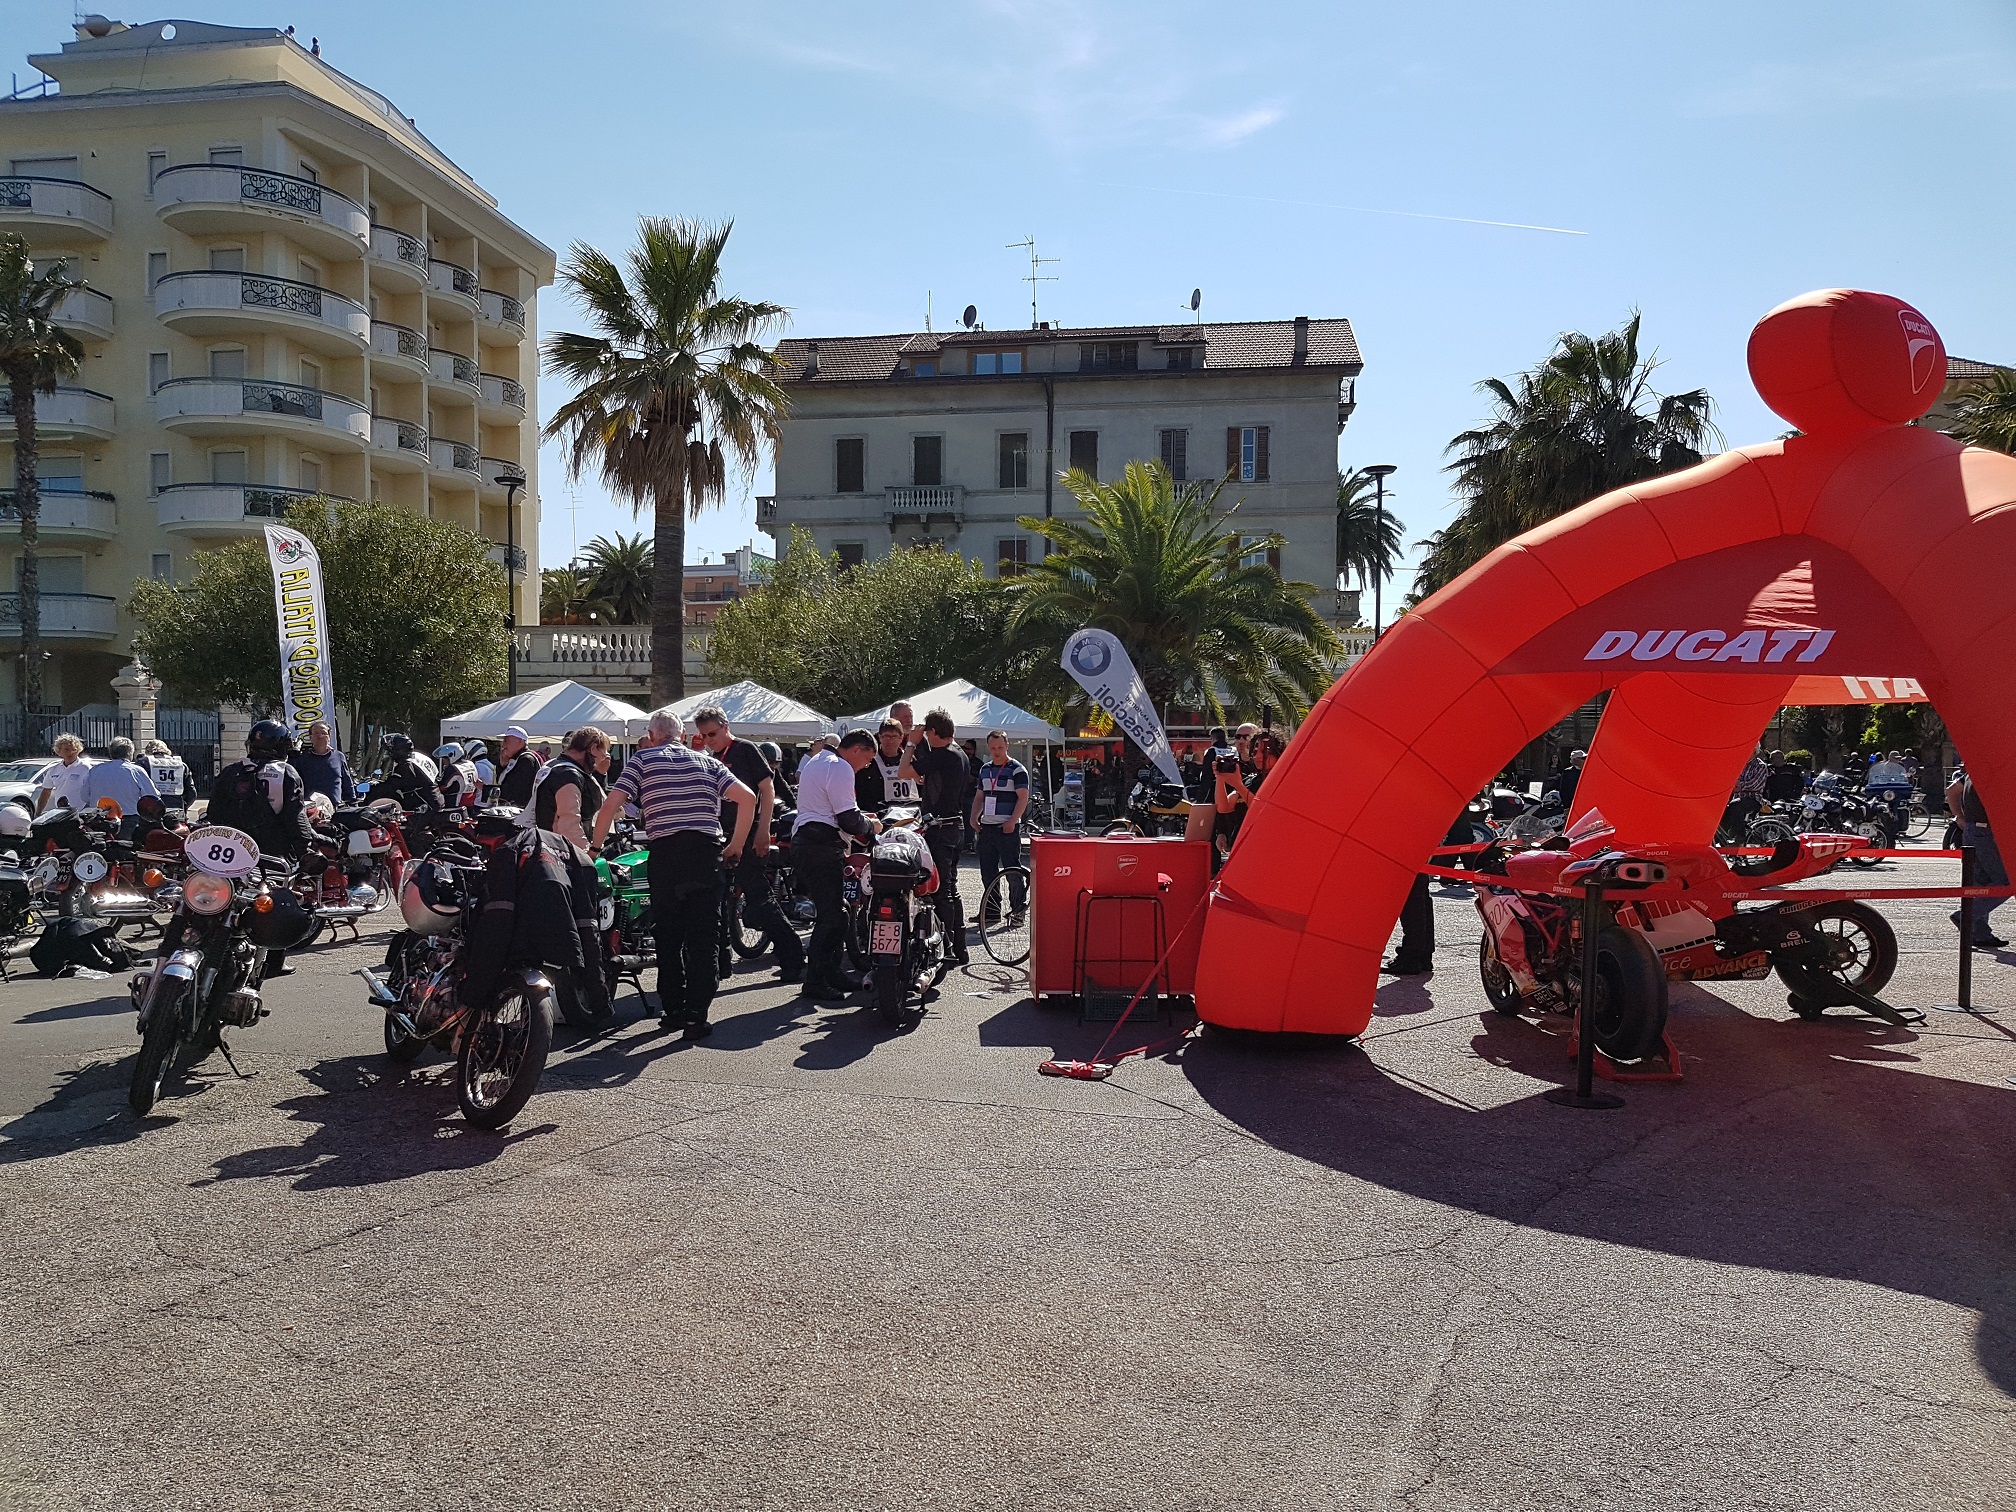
<point>500,1047</point>
<point>231,912</point>
<point>628,945</point>
<point>76,863</point>
<point>906,949</point>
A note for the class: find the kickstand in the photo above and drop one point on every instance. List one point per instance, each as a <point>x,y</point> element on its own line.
<point>225,1051</point>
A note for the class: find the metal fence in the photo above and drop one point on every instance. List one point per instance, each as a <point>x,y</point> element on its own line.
<point>192,735</point>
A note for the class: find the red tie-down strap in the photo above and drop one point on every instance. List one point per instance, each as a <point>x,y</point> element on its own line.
<point>1099,1068</point>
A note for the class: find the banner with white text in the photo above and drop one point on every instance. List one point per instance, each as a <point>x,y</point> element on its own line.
<point>307,687</point>
<point>1102,667</point>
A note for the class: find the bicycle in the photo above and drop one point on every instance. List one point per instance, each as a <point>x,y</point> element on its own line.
<point>1004,930</point>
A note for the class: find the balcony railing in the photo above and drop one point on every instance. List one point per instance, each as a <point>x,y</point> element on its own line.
<point>68,409</point>
<point>389,340</point>
<point>67,510</point>
<point>196,185</point>
<point>86,311</point>
<point>941,500</point>
<point>500,309</point>
<point>52,202</point>
<point>453,278</point>
<point>452,456</point>
<point>500,474</point>
<point>86,614</point>
<point>503,393</point>
<point>621,652</point>
<point>454,368</point>
<point>766,509</point>
<point>512,557</point>
<point>223,398</point>
<point>261,294</point>
<point>407,253</point>
<point>193,506</point>
<point>393,435</point>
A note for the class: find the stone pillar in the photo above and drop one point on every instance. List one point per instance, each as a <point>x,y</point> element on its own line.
<point>139,693</point>
<point>234,728</point>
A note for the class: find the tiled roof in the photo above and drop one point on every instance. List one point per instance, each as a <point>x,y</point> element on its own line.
<point>1235,344</point>
<point>1967,367</point>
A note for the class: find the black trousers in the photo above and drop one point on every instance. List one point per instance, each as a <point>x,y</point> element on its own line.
<point>752,875</point>
<point>946,851</point>
<point>816,855</point>
<point>1417,926</point>
<point>684,874</point>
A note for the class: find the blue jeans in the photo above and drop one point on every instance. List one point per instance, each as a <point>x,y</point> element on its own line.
<point>999,851</point>
<point>1988,872</point>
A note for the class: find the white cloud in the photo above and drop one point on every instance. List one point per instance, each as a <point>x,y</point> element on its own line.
<point>1232,131</point>
<point>1849,83</point>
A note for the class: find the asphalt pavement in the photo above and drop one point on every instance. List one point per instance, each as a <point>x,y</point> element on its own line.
<point>804,1264</point>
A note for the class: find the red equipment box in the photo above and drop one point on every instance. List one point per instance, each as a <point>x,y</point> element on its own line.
<point>1071,872</point>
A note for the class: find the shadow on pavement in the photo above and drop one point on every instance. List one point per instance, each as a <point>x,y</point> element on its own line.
<point>1802,1148</point>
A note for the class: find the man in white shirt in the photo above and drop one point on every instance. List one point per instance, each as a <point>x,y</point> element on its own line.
<point>828,810</point>
<point>64,782</point>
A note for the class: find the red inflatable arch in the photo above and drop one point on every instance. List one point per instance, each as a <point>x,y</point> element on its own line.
<point>1864,547</point>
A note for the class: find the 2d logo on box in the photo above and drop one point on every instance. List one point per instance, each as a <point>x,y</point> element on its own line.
<point>1091,658</point>
<point>1758,646</point>
<point>1921,341</point>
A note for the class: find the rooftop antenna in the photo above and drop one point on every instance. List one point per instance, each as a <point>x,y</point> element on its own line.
<point>927,310</point>
<point>1036,274</point>
<point>971,316</point>
<point>1197,304</point>
<point>574,517</point>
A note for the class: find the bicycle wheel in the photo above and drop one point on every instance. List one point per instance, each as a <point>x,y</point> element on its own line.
<point>1004,930</point>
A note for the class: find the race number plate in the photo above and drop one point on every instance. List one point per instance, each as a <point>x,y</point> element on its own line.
<point>90,867</point>
<point>221,851</point>
<point>885,937</point>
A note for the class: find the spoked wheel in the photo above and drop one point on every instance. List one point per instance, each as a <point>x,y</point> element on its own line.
<point>1770,832</point>
<point>1861,949</point>
<point>157,1045</point>
<point>1918,824</point>
<point>1004,929</point>
<point>748,942</point>
<point>400,1047</point>
<point>1630,1016</point>
<point>1499,988</point>
<point>1878,838</point>
<point>503,1056</point>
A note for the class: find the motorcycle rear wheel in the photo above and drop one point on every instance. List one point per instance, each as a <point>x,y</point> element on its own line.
<point>749,943</point>
<point>503,1056</point>
<point>892,995</point>
<point>1630,1016</point>
<point>157,1046</point>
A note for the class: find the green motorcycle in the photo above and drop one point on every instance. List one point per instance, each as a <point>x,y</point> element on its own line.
<point>627,943</point>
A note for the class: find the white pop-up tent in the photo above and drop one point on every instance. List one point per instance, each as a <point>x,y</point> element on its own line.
<point>549,713</point>
<point>756,713</point>
<point>974,712</point>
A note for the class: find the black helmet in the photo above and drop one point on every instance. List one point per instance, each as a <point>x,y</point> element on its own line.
<point>270,740</point>
<point>398,746</point>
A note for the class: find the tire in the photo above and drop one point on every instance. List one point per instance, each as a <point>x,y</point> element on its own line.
<point>1003,935</point>
<point>892,991</point>
<point>1630,1016</point>
<point>749,943</point>
<point>401,1048</point>
<point>157,1046</point>
<point>316,930</point>
<point>1877,836</point>
<point>503,1056</point>
<point>1772,832</point>
<point>1499,990</point>
<point>1865,948</point>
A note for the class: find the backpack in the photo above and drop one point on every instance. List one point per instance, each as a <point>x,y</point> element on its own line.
<point>68,944</point>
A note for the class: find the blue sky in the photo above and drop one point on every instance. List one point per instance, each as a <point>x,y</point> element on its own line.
<point>1717,158</point>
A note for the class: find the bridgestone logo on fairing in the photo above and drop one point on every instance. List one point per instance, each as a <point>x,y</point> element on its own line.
<point>1710,645</point>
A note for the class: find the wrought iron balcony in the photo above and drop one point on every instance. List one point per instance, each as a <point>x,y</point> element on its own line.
<point>502,315</point>
<point>455,372</point>
<point>67,412</point>
<point>222,197</point>
<point>503,399</point>
<point>452,283</point>
<point>400,442</point>
<point>227,509</point>
<point>498,475</point>
<point>400,346</point>
<point>54,209</point>
<point>86,312</point>
<point>453,457</point>
<point>397,253</point>
<point>67,616</point>
<point>512,557</point>
<point>238,406</point>
<point>213,303</point>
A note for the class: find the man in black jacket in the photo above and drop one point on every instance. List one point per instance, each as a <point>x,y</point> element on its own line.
<point>941,772</point>
<point>517,769</point>
<point>263,796</point>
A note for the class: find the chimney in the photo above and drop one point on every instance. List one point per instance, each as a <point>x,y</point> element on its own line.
<point>1301,340</point>
<point>811,359</point>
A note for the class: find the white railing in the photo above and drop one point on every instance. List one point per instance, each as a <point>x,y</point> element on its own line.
<point>452,456</point>
<point>503,393</point>
<point>452,279</point>
<point>92,614</point>
<point>453,367</point>
<point>937,499</point>
<point>500,309</point>
<point>26,197</point>
<point>389,340</point>
<point>406,253</point>
<point>626,652</point>
<point>201,504</point>
<point>259,189</point>
<point>65,509</point>
<point>500,474</point>
<point>86,310</point>
<point>68,409</point>
<point>261,295</point>
<point>394,435</point>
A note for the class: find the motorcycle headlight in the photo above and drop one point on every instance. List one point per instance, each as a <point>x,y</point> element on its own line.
<point>205,894</point>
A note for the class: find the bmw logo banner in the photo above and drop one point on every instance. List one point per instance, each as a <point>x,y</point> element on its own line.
<point>1101,666</point>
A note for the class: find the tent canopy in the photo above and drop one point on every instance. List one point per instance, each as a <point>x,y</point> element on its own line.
<point>549,713</point>
<point>756,713</point>
<point>974,712</point>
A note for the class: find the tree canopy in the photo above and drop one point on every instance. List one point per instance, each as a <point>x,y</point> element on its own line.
<point>1366,545</point>
<point>1984,414</point>
<point>416,618</point>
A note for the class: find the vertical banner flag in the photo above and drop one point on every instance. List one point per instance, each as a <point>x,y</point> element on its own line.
<point>306,687</point>
<point>1105,671</point>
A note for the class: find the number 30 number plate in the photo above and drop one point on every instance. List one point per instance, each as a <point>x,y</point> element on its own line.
<point>885,937</point>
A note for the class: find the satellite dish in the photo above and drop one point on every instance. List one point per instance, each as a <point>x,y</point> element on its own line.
<point>972,314</point>
<point>1196,298</point>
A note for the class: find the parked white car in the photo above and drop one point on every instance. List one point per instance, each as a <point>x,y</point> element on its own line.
<point>20,779</point>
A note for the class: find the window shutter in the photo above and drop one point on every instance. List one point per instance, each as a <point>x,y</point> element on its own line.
<point>1260,453</point>
<point>1232,450</point>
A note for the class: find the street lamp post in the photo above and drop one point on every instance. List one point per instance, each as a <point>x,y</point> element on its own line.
<point>1379,472</point>
<point>512,483</point>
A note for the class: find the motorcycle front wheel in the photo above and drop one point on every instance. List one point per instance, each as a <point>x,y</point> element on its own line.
<point>503,1056</point>
<point>1630,1015</point>
<point>401,1048</point>
<point>1499,989</point>
<point>157,1045</point>
<point>1862,947</point>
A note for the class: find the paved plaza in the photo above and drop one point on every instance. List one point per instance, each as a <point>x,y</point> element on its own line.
<point>803,1265</point>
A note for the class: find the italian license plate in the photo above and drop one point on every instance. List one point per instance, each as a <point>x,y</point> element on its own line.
<point>885,937</point>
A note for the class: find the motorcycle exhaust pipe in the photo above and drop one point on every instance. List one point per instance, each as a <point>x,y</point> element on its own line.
<point>345,911</point>
<point>383,995</point>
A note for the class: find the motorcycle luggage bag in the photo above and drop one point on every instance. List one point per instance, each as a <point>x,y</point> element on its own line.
<point>497,823</point>
<point>68,944</point>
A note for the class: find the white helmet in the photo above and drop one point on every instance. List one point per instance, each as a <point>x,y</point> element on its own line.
<point>451,751</point>
<point>475,750</point>
<point>430,899</point>
<point>14,821</point>
<point>320,809</point>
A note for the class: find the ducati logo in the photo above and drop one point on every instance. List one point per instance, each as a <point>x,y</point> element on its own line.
<point>1710,645</point>
<point>1921,348</point>
<point>1126,863</point>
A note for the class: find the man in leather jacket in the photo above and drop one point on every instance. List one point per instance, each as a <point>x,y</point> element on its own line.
<point>263,795</point>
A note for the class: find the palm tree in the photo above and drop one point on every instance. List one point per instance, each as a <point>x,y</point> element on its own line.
<point>1585,421</point>
<point>567,596</point>
<point>1366,545</point>
<point>35,354</point>
<point>1155,564</point>
<point>1985,413</point>
<point>620,571</point>
<point>675,380</point>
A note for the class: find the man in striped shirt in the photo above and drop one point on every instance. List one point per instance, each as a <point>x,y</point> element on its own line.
<point>678,792</point>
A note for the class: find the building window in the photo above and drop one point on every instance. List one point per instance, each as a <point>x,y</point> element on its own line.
<point>1246,452</point>
<point>60,474</point>
<point>308,172</point>
<point>227,362</point>
<point>1176,454</point>
<point>228,157</point>
<point>997,362</point>
<point>1112,357</point>
<point>162,566</point>
<point>48,168</point>
<point>850,465</point>
<point>1011,556</point>
<point>924,368</point>
<point>227,259</point>
<point>157,370</point>
<point>311,474</point>
<point>157,269</point>
<point>1260,551</point>
<point>227,467</point>
<point>851,554</point>
<point>156,161</point>
<point>160,471</point>
<point>311,378</point>
<point>1085,452</point>
<point>59,574</point>
<point>927,461</point>
<point>1183,359</point>
<point>1014,471</point>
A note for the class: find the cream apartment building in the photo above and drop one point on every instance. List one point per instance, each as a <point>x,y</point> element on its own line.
<point>952,437</point>
<point>290,291</point>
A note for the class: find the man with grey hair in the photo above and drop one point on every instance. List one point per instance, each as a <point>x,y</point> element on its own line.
<point>122,779</point>
<point>680,794</point>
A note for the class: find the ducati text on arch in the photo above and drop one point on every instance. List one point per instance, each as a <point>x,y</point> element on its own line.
<point>1754,646</point>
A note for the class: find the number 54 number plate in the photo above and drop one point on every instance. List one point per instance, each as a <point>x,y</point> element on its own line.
<point>885,937</point>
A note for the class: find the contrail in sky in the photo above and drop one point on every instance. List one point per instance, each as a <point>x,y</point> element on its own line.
<point>1258,199</point>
